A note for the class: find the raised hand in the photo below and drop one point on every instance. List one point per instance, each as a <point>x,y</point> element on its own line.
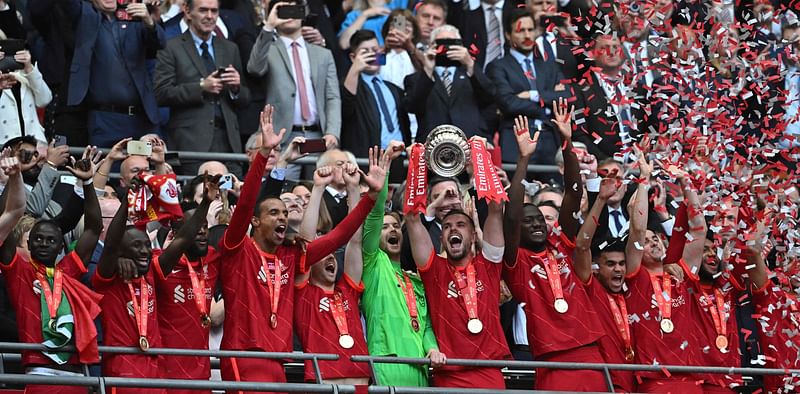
<point>350,175</point>
<point>323,176</point>
<point>378,165</point>
<point>292,152</point>
<point>84,168</point>
<point>126,269</point>
<point>645,167</point>
<point>269,140</point>
<point>117,151</point>
<point>526,144</point>
<point>394,149</point>
<point>211,186</point>
<point>57,156</point>
<point>10,165</point>
<point>608,186</point>
<point>563,118</point>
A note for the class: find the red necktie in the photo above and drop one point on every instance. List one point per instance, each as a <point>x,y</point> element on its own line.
<point>305,110</point>
<point>218,32</point>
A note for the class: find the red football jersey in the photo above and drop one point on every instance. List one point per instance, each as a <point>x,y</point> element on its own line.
<point>548,330</point>
<point>247,301</point>
<point>120,327</point>
<point>179,317</point>
<point>706,297</point>
<point>779,315</point>
<point>24,291</point>
<point>612,346</point>
<point>318,333</point>
<point>652,346</point>
<point>449,314</point>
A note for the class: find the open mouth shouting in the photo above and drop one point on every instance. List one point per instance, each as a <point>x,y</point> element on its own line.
<point>330,266</point>
<point>455,240</point>
<point>280,232</point>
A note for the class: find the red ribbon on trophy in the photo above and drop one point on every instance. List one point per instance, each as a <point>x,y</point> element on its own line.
<point>416,182</point>
<point>487,183</point>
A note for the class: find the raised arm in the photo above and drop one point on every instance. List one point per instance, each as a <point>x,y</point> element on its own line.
<point>583,241</point>
<point>237,229</point>
<point>188,231</point>
<point>107,266</point>
<point>638,212</point>
<point>573,185</point>
<point>373,225</point>
<point>695,242</point>
<point>117,153</point>
<point>513,214</point>
<point>14,207</point>
<point>325,245</point>
<point>420,239</point>
<point>756,266</point>
<point>84,170</point>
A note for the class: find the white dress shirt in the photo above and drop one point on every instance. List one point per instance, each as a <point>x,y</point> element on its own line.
<point>306,66</point>
<point>220,24</point>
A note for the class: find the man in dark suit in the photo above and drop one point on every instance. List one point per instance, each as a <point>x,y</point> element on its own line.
<point>556,35</point>
<point>609,109</point>
<point>483,27</point>
<point>202,116</point>
<point>449,94</point>
<point>373,106</point>
<point>108,69</point>
<point>526,84</point>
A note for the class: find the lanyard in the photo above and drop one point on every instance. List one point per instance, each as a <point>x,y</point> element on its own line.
<point>717,309</point>
<point>664,306</point>
<point>620,312</point>
<point>554,278</point>
<point>273,286</point>
<point>199,291</point>
<point>411,299</point>
<point>52,297</point>
<point>140,310</point>
<point>470,296</point>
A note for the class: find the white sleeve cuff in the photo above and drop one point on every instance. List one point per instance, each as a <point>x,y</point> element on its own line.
<point>534,95</point>
<point>593,184</point>
<point>278,174</point>
<point>492,253</point>
<point>667,225</point>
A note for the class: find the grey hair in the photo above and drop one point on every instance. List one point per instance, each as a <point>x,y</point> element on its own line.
<point>559,159</point>
<point>324,159</point>
<point>251,142</point>
<point>442,29</point>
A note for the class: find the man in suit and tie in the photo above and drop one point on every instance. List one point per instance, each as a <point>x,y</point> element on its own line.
<point>526,84</point>
<point>555,37</point>
<point>202,114</point>
<point>453,93</point>
<point>108,71</point>
<point>374,107</point>
<point>483,26</point>
<point>301,81</point>
<point>609,110</point>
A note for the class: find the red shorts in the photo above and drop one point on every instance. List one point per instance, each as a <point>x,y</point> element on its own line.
<point>251,370</point>
<point>572,380</point>
<point>479,378</point>
<point>674,385</point>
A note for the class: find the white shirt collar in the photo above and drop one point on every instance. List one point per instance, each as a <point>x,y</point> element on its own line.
<point>498,6</point>
<point>288,42</point>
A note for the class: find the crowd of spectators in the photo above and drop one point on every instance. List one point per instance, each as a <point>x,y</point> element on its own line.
<point>666,233</point>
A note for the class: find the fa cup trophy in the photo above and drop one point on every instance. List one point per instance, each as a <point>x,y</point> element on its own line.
<point>447,150</point>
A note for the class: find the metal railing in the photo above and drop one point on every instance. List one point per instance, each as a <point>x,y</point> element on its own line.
<point>320,387</point>
<point>308,160</point>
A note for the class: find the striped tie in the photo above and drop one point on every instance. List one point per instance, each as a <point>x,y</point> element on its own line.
<point>493,48</point>
<point>448,81</point>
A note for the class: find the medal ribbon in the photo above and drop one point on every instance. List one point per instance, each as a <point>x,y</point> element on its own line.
<point>664,307</point>
<point>273,281</point>
<point>140,310</point>
<point>408,291</point>
<point>339,317</point>
<point>553,276</point>
<point>470,296</point>
<point>417,184</point>
<point>718,312</point>
<point>52,298</point>
<point>620,312</point>
<point>198,288</point>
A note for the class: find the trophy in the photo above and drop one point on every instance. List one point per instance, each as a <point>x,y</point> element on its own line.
<point>447,150</point>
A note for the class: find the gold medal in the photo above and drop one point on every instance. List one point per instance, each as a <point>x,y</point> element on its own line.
<point>415,324</point>
<point>629,354</point>
<point>273,320</point>
<point>144,344</point>
<point>346,341</point>
<point>722,342</point>
<point>475,326</point>
<point>52,324</point>
<point>561,305</point>
<point>205,320</point>
<point>667,326</point>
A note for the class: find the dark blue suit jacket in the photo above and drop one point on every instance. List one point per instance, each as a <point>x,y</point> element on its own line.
<point>469,96</point>
<point>509,80</point>
<point>137,44</point>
